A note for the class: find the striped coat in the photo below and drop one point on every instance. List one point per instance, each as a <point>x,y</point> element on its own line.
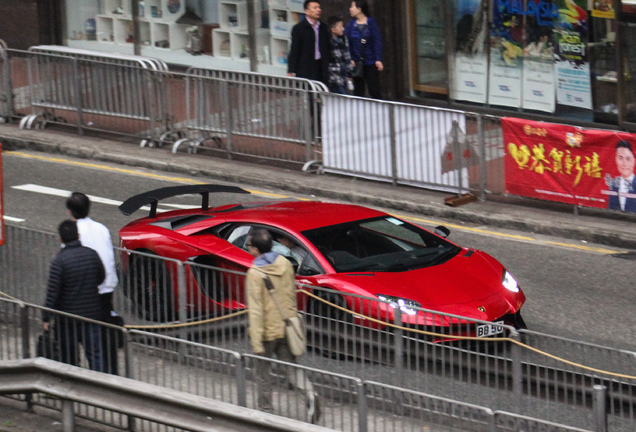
<point>75,274</point>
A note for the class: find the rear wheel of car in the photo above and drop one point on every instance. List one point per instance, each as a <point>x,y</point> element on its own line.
<point>151,288</point>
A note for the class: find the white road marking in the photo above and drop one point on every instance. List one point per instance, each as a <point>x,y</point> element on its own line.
<point>65,193</point>
<point>13,219</point>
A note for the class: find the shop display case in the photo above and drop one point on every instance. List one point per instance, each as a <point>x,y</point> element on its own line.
<point>603,68</point>
<point>430,64</point>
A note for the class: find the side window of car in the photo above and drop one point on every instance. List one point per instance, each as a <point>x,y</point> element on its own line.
<point>305,263</point>
<point>309,266</point>
<point>238,236</point>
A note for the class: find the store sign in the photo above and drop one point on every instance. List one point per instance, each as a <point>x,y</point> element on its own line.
<point>544,11</point>
<point>470,75</point>
<point>539,84</point>
<point>1,202</point>
<point>506,55</point>
<point>572,65</point>
<point>603,9</point>
<point>587,167</point>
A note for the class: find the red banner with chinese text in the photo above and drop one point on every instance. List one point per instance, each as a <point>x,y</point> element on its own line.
<point>586,167</point>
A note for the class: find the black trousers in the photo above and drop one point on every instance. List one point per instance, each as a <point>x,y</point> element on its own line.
<point>370,81</point>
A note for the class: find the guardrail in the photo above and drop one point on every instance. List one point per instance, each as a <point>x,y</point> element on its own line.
<point>257,108</point>
<point>532,373</point>
<point>154,404</point>
<point>121,94</point>
<point>173,374</point>
<point>220,111</point>
<point>409,144</point>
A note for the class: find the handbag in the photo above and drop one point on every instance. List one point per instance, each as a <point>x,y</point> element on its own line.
<point>294,326</point>
<point>358,72</point>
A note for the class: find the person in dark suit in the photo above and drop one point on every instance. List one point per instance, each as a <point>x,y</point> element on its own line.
<point>309,52</point>
<point>624,185</point>
<point>75,274</point>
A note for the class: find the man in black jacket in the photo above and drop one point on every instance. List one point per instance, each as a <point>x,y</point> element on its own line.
<point>75,274</point>
<point>309,52</point>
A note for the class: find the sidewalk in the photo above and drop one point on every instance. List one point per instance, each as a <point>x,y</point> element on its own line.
<point>533,216</point>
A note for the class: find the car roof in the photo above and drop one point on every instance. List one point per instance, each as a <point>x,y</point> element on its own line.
<point>291,215</point>
<point>306,215</point>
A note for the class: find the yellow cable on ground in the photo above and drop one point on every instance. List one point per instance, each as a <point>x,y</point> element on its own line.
<point>377,321</point>
<point>188,324</point>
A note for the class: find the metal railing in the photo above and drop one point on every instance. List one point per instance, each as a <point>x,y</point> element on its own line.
<point>220,111</point>
<point>532,373</point>
<point>347,403</point>
<point>258,115</point>
<point>92,91</point>
<point>409,144</point>
<point>6,96</point>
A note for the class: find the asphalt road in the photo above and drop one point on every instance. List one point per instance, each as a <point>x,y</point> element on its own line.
<point>574,290</point>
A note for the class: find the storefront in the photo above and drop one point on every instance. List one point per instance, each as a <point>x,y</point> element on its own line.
<point>566,59</point>
<point>209,33</point>
<point>571,59</point>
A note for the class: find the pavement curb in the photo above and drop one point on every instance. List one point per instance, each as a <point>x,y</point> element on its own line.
<point>328,187</point>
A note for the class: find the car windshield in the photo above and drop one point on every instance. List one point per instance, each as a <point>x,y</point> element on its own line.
<point>384,244</point>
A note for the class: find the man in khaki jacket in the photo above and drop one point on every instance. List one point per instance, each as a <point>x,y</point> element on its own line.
<point>266,325</point>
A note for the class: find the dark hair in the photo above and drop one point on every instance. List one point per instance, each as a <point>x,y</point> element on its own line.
<point>79,205</point>
<point>261,239</point>
<point>364,5</point>
<point>333,20</point>
<point>624,144</point>
<point>306,4</point>
<point>68,231</point>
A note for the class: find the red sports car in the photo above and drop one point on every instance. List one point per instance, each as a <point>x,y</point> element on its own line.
<point>348,249</point>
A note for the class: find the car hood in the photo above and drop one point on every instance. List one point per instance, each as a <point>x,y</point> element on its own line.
<point>460,286</point>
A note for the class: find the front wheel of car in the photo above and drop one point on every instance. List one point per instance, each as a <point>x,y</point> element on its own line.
<point>322,308</point>
<point>519,322</point>
<point>151,288</point>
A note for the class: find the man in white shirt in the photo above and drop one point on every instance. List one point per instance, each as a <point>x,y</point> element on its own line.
<point>96,236</point>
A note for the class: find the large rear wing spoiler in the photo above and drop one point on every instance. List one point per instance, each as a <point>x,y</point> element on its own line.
<point>153,197</point>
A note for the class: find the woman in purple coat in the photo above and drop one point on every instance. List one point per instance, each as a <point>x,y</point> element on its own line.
<point>365,45</point>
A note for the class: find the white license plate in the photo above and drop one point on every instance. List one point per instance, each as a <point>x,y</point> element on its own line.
<point>490,329</point>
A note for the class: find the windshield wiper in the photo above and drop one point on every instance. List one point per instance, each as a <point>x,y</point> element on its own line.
<point>445,256</point>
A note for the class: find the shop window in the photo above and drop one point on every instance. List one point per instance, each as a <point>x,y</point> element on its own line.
<point>428,38</point>
<point>603,65</point>
<point>629,72</point>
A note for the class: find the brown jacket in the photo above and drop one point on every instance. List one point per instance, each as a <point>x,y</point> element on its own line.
<point>265,322</point>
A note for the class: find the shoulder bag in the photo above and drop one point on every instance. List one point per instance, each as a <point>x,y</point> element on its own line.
<point>358,72</point>
<point>294,326</point>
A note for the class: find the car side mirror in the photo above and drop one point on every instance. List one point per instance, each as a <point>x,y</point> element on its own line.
<point>442,231</point>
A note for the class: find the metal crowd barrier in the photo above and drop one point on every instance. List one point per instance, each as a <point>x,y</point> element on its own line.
<point>258,115</point>
<point>409,144</point>
<point>531,373</point>
<point>6,96</point>
<point>95,91</point>
<point>347,403</point>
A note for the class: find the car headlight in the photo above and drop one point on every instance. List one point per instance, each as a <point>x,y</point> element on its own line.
<point>509,282</point>
<point>405,305</point>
